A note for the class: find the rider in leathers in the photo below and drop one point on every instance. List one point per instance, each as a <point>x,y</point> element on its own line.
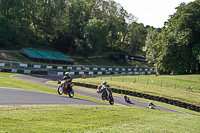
<point>67,78</point>
<point>151,105</point>
<point>100,90</point>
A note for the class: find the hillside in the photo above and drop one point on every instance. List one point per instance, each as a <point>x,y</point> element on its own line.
<point>18,57</point>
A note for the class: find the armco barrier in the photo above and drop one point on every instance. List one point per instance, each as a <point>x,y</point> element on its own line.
<point>146,96</point>
<point>84,68</point>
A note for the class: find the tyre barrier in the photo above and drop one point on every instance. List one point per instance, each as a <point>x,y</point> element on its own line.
<point>146,96</point>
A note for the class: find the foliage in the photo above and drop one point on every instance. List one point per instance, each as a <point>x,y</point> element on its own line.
<point>95,33</point>
<point>5,31</point>
<point>176,48</point>
<point>150,40</point>
<point>71,26</point>
<point>112,57</point>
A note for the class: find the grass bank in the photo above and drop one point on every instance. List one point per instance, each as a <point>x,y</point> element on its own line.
<point>94,119</point>
<point>87,118</point>
<point>150,84</point>
<point>15,56</point>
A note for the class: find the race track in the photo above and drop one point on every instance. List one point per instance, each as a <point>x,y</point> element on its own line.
<point>10,97</point>
<point>38,98</point>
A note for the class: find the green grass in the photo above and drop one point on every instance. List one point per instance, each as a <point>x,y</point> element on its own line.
<point>107,62</point>
<point>153,88</point>
<point>88,118</point>
<point>94,119</point>
<point>145,100</point>
<point>13,57</point>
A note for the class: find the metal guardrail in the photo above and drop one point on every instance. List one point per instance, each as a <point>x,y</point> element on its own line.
<point>17,65</point>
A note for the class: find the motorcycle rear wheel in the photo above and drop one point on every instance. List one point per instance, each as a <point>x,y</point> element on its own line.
<point>60,90</point>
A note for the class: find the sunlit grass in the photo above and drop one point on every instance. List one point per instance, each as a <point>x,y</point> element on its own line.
<point>88,118</point>
<point>154,85</point>
<point>94,119</point>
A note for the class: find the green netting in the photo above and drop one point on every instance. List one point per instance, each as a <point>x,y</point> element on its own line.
<point>32,53</point>
<point>47,55</point>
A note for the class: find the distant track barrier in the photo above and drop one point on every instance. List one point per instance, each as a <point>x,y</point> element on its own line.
<point>77,69</point>
<point>146,96</point>
<point>41,72</point>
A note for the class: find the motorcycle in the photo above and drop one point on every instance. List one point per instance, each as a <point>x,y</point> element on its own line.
<point>106,94</point>
<point>66,88</point>
<point>151,106</point>
<point>127,99</point>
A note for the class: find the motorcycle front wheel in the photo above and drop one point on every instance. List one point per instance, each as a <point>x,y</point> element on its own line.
<point>71,93</point>
<point>60,90</point>
<point>111,100</point>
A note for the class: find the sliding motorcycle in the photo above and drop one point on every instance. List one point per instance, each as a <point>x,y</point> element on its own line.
<point>151,105</point>
<point>127,99</point>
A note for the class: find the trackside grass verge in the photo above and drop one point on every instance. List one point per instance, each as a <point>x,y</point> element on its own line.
<point>87,118</point>
<point>147,100</point>
<point>152,88</point>
<point>7,81</point>
<point>94,119</point>
<point>142,99</point>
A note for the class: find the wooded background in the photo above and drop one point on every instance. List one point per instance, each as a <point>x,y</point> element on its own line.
<point>92,27</point>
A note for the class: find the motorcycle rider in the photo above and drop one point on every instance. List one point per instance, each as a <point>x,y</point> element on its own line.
<point>126,98</point>
<point>99,90</point>
<point>151,105</point>
<point>67,77</point>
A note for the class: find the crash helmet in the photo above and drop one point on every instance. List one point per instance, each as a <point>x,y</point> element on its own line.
<point>151,102</point>
<point>67,74</point>
<point>104,82</point>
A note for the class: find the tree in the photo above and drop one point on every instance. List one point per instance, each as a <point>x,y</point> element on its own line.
<point>95,34</point>
<point>150,40</point>
<point>137,37</point>
<point>5,31</point>
<point>175,46</point>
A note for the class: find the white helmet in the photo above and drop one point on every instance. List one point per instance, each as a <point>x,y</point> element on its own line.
<point>104,82</point>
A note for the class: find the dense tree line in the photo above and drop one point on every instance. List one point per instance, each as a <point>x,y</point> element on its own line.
<point>89,27</point>
<point>72,26</point>
<point>177,47</point>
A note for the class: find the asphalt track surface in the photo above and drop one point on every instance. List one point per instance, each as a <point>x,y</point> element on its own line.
<point>25,97</point>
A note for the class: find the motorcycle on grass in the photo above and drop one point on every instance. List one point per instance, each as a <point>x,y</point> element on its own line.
<point>66,88</point>
<point>106,94</point>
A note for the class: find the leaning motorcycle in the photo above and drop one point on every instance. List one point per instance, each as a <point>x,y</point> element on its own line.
<point>106,94</point>
<point>66,88</point>
<point>127,99</point>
